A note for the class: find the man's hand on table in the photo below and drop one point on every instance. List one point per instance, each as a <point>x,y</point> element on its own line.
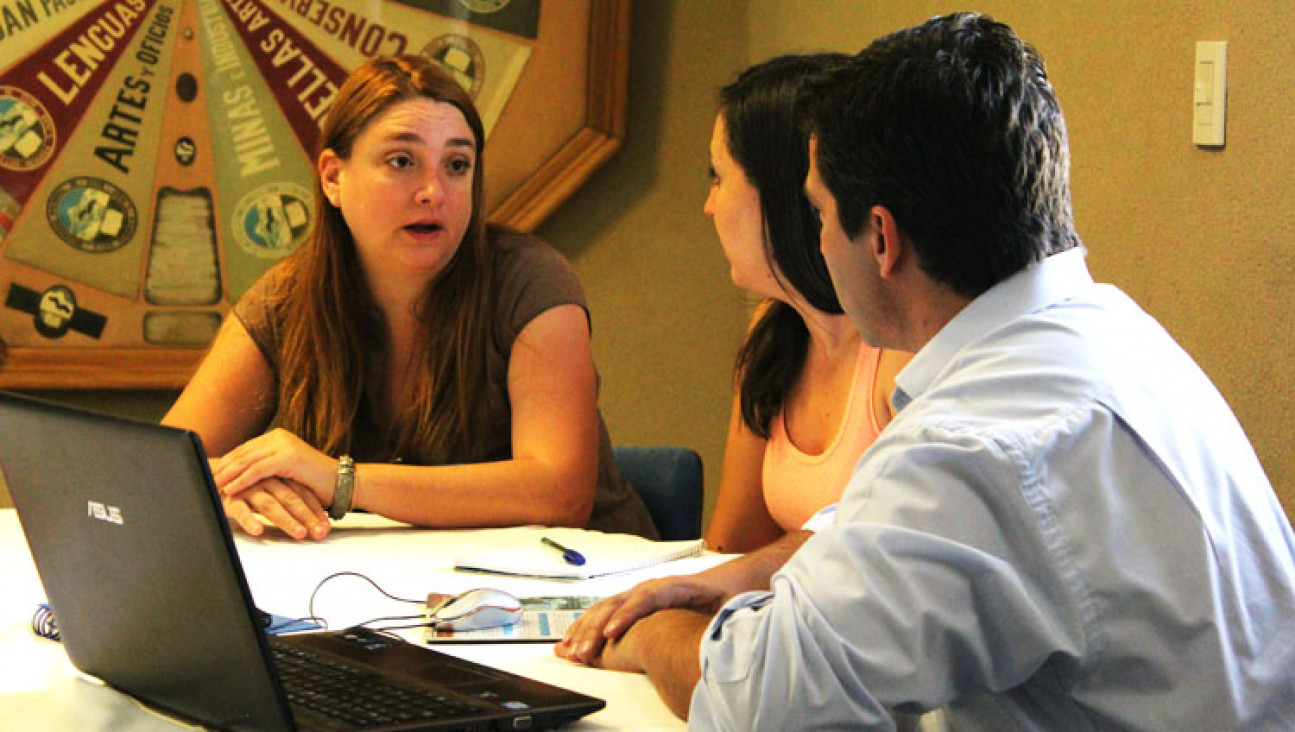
<point>664,646</point>
<point>705,592</point>
<point>609,619</point>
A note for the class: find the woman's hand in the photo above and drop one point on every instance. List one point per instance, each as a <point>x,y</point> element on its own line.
<point>276,454</point>
<point>290,506</point>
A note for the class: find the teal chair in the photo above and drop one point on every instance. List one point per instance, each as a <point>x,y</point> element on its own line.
<point>670,481</point>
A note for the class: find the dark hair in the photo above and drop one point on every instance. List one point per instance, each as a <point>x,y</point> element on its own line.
<point>334,351</point>
<point>953,127</point>
<point>765,139</point>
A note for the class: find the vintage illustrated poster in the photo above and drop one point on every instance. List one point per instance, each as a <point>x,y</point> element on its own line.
<point>156,155</point>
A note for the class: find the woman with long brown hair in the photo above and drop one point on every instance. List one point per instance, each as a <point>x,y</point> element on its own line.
<point>811,396</point>
<point>409,359</point>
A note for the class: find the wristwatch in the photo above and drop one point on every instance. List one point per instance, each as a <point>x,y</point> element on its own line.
<point>345,490</point>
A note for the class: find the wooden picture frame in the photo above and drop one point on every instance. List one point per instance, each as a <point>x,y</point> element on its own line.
<point>563,118</point>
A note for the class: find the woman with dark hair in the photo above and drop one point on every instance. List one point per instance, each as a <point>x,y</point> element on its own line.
<point>811,396</point>
<point>408,360</point>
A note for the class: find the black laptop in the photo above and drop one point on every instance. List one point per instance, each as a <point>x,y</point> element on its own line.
<point>138,564</point>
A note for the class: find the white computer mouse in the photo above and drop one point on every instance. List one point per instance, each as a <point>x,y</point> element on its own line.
<point>477,609</point>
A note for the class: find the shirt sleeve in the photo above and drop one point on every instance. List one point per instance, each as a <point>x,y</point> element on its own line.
<point>256,310</point>
<point>821,519</point>
<point>533,278</point>
<point>894,607</point>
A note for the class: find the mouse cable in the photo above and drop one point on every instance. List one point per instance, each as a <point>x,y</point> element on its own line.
<point>386,629</point>
<point>310,610</point>
<point>424,624</point>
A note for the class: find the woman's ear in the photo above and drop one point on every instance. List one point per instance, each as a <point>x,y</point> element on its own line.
<point>330,176</point>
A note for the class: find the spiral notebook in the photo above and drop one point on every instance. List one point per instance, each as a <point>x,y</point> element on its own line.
<point>522,553</point>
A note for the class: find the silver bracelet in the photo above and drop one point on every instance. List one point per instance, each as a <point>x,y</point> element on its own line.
<point>345,490</point>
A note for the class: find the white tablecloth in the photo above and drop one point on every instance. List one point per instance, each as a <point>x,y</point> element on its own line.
<point>41,690</point>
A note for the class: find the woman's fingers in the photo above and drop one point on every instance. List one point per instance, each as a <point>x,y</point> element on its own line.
<point>293,509</point>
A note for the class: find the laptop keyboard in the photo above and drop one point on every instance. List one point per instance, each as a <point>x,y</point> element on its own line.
<point>355,697</point>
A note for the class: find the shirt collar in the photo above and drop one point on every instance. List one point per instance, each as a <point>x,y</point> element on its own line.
<point>1056,278</point>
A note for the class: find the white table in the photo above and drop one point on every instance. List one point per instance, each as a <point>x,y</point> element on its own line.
<point>41,690</point>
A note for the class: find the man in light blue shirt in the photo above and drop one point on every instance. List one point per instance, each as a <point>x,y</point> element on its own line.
<point>1064,527</point>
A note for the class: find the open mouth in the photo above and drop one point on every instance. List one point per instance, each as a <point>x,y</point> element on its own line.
<point>423,228</point>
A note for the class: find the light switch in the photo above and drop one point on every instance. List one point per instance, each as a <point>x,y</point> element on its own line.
<point>1209,93</point>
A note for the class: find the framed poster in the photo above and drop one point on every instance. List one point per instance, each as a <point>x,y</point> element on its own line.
<point>156,156</point>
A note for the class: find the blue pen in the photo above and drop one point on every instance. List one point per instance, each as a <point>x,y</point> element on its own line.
<point>571,556</point>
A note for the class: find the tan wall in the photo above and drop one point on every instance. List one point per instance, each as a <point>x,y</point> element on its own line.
<point>1202,239</point>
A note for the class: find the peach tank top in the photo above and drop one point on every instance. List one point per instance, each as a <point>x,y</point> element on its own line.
<point>796,485</point>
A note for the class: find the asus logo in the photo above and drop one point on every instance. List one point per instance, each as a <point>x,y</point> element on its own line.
<point>97,510</point>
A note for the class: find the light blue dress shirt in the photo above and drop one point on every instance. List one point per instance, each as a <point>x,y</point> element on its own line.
<point>1064,528</point>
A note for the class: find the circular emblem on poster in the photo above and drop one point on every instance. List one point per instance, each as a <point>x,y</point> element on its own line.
<point>55,311</point>
<point>461,57</point>
<point>273,220</point>
<point>185,151</point>
<point>91,215</point>
<point>484,6</point>
<point>54,314</point>
<point>27,132</point>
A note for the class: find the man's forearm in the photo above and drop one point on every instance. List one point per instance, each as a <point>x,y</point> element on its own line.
<point>666,645</point>
<point>753,571</point>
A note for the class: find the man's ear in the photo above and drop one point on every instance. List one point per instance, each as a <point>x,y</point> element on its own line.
<point>888,247</point>
<point>330,171</point>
